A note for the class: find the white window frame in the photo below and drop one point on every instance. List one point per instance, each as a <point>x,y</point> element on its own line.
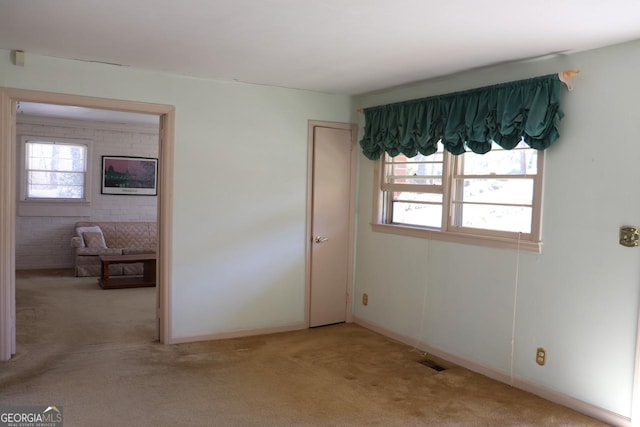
<point>448,231</point>
<point>54,206</point>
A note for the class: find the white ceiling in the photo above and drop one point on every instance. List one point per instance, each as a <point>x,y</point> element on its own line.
<point>334,46</point>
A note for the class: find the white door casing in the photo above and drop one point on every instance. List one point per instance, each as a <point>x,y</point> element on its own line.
<point>7,228</point>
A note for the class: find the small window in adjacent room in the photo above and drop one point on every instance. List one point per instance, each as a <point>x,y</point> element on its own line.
<point>494,199</point>
<point>55,170</point>
<point>55,176</point>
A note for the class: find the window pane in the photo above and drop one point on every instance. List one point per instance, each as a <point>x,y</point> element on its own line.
<point>418,180</point>
<point>511,191</point>
<point>56,178</point>
<point>501,162</point>
<point>417,197</point>
<point>417,214</point>
<point>55,185</point>
<point>415,173</point>
<point>56,157</point>
<point>401,158</point>
<point>55,192</point>
<point>419,170</point>
<point>501,218</point>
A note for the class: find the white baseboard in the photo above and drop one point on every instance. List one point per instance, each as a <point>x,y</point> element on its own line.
<point>544,392</point>
<point>238,334</point>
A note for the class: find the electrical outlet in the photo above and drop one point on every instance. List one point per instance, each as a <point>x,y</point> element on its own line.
<point>541,356</point>
<point>365,299</point>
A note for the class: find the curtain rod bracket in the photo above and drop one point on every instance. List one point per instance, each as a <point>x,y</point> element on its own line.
<point>567,76</point>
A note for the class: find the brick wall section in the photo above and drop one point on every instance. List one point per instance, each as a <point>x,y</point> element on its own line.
<point>43,242</point>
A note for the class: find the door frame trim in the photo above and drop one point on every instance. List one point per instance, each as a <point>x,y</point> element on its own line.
<point>352,213</point>
<point>8,99</point>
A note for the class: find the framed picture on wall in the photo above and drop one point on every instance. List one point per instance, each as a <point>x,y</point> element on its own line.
<point>137,176</point>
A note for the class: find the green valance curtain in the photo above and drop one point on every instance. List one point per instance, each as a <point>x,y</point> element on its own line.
<point>469,120</point>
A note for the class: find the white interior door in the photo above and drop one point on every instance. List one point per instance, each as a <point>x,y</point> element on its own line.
<point>330,225</point>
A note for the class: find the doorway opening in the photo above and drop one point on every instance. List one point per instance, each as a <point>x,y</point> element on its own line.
<point>11,174</point>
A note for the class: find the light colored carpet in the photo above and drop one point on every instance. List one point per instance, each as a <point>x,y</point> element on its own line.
<point>92,352</point>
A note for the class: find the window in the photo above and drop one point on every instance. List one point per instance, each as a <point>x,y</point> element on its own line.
<point>55,170</point>
<point>55,177</point>
<point>493,199</point>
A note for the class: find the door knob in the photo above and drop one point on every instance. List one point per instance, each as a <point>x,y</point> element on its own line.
<point>319,239</point>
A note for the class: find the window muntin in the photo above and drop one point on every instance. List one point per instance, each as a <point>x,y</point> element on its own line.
<point>55,170</point>
<point>496,195</point>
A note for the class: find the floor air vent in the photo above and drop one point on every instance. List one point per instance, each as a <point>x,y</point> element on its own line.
<point>433,365</point>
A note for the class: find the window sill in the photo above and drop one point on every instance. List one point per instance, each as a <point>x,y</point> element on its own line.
<point>463,238</point>
<point>54,208</point>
